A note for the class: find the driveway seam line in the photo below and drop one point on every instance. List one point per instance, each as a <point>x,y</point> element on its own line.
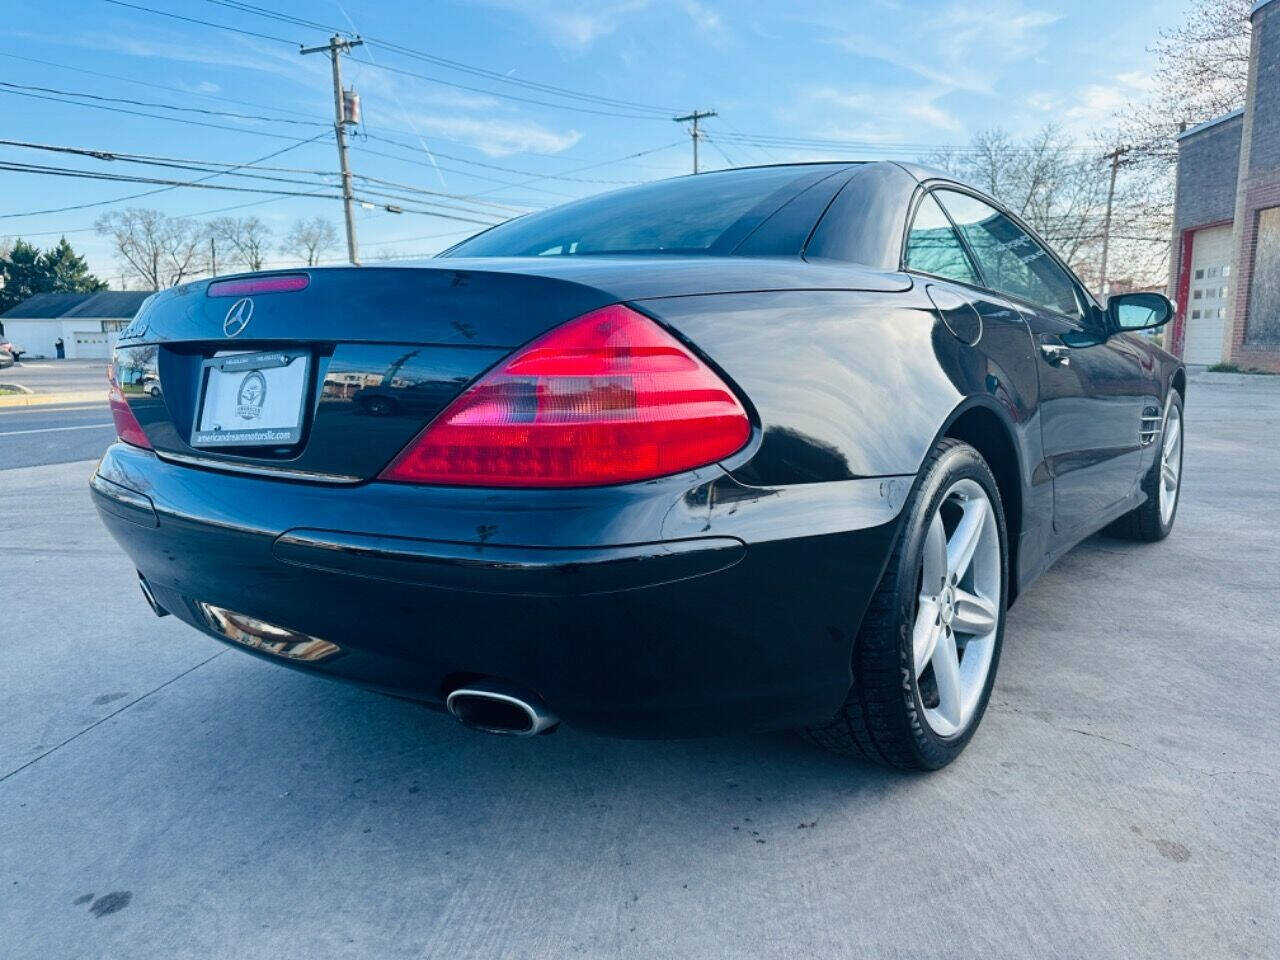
<point>113,713</point>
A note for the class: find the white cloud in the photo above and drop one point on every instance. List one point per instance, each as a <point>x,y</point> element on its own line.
<point>1094,105</point>
<point>875,115</point>
<point>1043,100</point>
<point>965,47</point>
<point>933,115</point>
<point>573,23</point>
<point>494,136</point>
<point>490,124</point>
<point>577,24</point>
<point>704,17</point>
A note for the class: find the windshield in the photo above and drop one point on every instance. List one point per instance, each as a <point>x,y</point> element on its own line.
<point>709,213</point>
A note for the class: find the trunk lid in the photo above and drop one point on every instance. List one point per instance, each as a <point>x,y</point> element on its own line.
<point>376,353</point>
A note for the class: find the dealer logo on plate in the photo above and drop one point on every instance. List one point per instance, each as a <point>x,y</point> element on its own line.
<point>251,396</point>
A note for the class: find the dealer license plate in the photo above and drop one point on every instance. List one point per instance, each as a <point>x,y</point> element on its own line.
<point>252,399</point>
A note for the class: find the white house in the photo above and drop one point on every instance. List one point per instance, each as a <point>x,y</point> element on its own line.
<point>87,323</point>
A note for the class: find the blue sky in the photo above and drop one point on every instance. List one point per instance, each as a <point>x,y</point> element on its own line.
<point>886,78</point>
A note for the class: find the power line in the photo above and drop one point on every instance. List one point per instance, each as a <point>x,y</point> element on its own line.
<point>148,193</point>
<point>458,65</point>
<point>42,169</point>
<point>283,17</point>
<point>514,208</point>
<point>230,170</point>
<point>505,96</point>
<point>420,76</point>
<point>196,166</point>
<point>158,86</point>
<point>162,106</point>
<point>778,141</point>
<point>250,103</point>
<point>181,216</point>
<point>151,116</point>
<point>719,150</point>
<point>495,166</point>
<point>592,166</point>
<point>205,23</point>
<point>361,148</point>
<point>61,95</point>
<point>15,167</point>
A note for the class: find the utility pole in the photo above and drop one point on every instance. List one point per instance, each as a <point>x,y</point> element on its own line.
<point>694,132</point>
<point>1116,157</point>
<point>213,254</point>
<point>337,46</point>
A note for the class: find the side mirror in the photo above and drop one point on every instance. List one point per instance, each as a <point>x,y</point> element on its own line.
<point>1138,311</point>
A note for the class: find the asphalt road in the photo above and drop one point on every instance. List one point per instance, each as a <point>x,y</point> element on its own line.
<point>57,433</point>
<point>58,376</point>
<point>161,796</point>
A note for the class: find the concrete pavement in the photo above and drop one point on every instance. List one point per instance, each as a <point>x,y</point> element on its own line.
<point>163,797</point>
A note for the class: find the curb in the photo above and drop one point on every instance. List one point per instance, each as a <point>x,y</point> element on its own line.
<point>1233,378</point>
<point>42,399</point>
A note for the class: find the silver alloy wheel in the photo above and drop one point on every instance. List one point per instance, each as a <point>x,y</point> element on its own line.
<point>1170,463</point>
<point>958,615</point>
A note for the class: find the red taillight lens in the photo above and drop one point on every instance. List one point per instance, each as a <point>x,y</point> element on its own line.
<point>128,428</point>
<point>610,397</point>
<point>284,283</point>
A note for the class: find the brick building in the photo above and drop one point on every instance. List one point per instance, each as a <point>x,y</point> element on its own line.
<point>1226,265</point>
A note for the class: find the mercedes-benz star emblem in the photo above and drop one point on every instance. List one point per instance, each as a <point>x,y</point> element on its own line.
<point>238,317</point>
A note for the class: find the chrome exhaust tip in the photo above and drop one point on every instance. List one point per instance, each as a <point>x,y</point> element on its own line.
<point>150,597</point>
<point>492,706</point>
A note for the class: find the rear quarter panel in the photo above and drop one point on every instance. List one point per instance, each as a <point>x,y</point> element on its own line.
<point>850,384</point>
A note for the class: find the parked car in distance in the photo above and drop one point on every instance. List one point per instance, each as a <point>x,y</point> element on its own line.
<point>765,448</point>
<point>11,350</point>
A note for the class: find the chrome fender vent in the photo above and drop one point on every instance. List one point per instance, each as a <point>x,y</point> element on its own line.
<point>1149,427</point>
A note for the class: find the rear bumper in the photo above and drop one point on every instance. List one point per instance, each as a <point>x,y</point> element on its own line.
<point>683,606</point>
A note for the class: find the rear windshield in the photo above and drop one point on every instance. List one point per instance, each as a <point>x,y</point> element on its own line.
<point>709,213</point>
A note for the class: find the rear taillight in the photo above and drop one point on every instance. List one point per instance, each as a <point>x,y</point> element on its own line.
<point>610,397</point>
<point>128,428</point>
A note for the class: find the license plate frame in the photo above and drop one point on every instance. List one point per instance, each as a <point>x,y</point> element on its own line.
<point>208,428</point>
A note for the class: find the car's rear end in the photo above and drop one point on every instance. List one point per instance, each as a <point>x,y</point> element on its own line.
<point>420,479</point>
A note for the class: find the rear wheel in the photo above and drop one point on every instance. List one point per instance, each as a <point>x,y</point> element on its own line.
<point>926,656</point>
<point>1163,483</point>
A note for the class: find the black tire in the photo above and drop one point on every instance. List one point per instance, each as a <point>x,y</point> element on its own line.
<point>1144,523</point>
<point>883,720</point>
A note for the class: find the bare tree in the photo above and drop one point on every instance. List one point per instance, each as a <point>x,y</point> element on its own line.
<point>1202,72</point>
<point>1059,190</point>
<point>308,240</point>
<point>248,238</point>
<point>160,251</point>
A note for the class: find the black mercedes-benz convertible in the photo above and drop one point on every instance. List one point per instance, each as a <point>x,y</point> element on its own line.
<point>765,448</point>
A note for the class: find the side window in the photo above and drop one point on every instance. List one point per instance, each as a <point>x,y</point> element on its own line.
<point>1011,261</point>
<point>933,246</point>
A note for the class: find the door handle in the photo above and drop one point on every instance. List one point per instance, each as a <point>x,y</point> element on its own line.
<point>1056,354</point>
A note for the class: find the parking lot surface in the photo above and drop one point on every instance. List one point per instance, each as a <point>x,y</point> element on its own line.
<point>161,796</point>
